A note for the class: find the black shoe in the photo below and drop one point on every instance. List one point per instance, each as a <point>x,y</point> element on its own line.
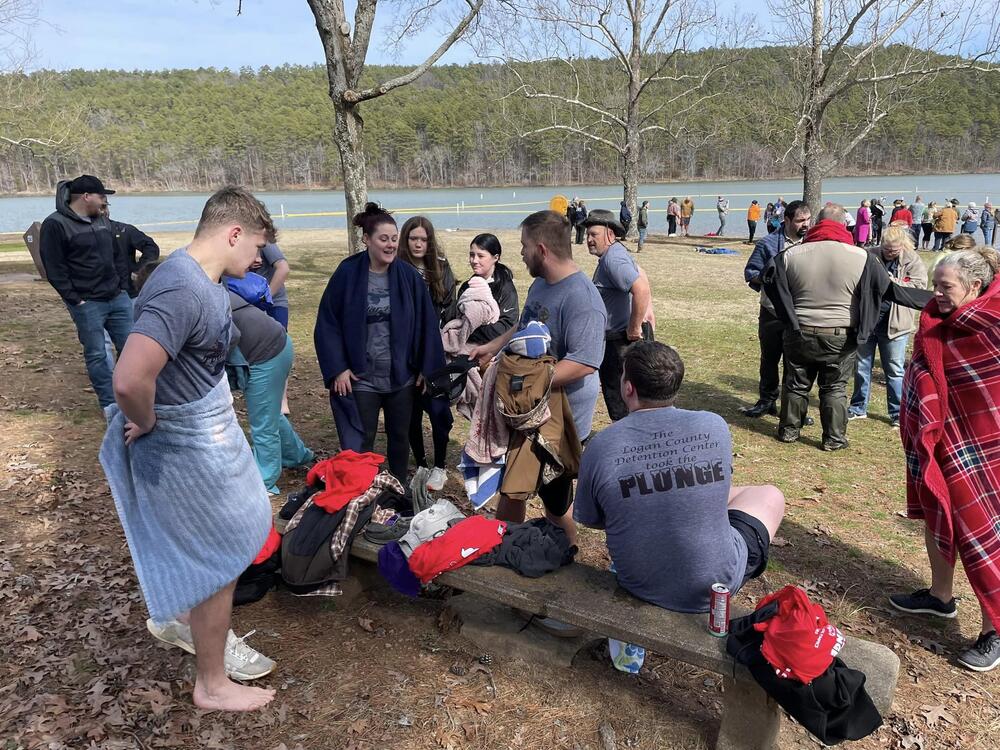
<point>785,437</point>
<point>760,409</point>
<point>829,447</point>
<point>923,602</point>
<point>984,654</point>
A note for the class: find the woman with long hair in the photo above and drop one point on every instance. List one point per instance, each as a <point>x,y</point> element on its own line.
<point>418,246</point>
<point>484,260</point>
<point>377,334</point>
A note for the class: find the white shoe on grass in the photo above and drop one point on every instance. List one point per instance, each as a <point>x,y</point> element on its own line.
<point>437,479</point>
<point>242,661</point>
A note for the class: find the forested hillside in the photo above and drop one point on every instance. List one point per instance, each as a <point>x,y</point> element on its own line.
<point>194,129</point>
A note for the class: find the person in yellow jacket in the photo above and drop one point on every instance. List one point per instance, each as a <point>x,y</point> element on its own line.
<point>753,216</point>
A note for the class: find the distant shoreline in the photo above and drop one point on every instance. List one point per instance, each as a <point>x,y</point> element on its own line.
<point>513,186</point>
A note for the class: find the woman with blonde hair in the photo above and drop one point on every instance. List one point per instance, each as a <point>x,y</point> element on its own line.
<point>863,225</point>
<point>950,433</point>
<point>895,324</point>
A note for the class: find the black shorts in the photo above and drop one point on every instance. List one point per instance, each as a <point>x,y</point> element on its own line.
<point>557,496</point>
<point>758,541</point>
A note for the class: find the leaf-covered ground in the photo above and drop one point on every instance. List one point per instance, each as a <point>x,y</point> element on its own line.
<point>78,670</point>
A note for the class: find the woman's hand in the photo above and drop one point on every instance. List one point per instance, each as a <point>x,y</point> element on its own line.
<point>342,383</point>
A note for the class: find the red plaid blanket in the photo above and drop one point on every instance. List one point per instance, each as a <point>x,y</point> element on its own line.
<point>950,427</point>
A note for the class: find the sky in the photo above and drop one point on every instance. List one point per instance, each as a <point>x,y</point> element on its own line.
<point>159,34</point>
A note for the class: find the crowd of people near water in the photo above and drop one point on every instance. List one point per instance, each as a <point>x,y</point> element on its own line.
<point>399,338</point>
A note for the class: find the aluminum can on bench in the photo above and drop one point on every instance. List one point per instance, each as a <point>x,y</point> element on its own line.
<point>718,610</point>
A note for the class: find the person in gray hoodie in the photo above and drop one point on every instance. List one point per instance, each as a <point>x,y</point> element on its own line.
<point>78,252</point>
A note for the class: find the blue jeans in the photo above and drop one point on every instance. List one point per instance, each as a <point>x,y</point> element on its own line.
<point>892,353</point>
<point>275,443</point>
<point>642,235</point>
<point>92,319</point>
<point>988,235</point>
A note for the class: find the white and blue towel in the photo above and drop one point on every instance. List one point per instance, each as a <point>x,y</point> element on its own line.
<point>531,341</point>
<point>482,481</point>
<point>190,498</point>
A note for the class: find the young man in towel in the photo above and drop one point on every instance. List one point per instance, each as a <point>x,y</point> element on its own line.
<point>190,498</point>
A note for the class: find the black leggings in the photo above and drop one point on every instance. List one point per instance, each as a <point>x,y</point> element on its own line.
<point>671,224</point>
<point>439,410</point>
<point>395,407</point>
<point>752,226</point>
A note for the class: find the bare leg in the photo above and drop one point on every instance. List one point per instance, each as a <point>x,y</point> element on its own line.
<point>942,572</point>
<point>988,624</point>
<point>509,510</point>
<point>763,502</point>
<point>213,690</point>
<point>565,522</point>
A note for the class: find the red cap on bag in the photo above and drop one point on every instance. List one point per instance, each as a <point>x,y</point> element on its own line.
<point>799,642</point>
<point>461,544</point>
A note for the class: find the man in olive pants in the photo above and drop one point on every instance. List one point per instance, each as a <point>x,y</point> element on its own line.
<point>816,290</point>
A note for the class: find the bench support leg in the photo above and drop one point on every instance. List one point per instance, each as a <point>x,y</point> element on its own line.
<point>750,719</point>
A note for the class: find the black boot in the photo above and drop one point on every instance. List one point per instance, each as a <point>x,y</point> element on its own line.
<point>760,409</point>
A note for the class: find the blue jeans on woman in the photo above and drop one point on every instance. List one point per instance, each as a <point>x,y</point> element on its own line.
<point>892,353</point>
<point>275,443</point>
<point>92,319</point>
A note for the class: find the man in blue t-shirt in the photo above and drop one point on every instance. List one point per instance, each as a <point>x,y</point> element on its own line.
<point>625,290</point>
<point>659,483</point>
<point>565,300</point>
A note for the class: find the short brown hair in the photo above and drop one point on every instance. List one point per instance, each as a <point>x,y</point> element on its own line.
<point>654,369</point>
<point>552,230</point>
<point>234,204</point>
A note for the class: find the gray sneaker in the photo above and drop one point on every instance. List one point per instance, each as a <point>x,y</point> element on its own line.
<point>984,654</point>
<point>242,662</point>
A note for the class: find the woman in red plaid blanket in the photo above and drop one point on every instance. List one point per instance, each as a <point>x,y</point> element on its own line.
<point>951,435</point>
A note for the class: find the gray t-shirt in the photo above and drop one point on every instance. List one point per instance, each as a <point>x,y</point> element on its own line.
<point>271,254</point>
<point>377,349</point>
<point>187,314</point>
<point>658,482</point>
<point>575,315</point>
<point>614,276</point>
<point>261,337</point>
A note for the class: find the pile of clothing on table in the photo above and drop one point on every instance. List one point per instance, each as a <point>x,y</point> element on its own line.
<point>441,538</point>
<point>791,650</point>
<point>308,549</point>
<point>522,433</point>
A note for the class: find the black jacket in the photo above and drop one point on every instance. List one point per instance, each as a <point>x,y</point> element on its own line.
<point>79,254</point>
<point>128,241</point>
<point>502,288</point>
<point>874,285</point>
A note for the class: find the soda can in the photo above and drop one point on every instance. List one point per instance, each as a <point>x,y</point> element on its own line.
<point>718,610</point>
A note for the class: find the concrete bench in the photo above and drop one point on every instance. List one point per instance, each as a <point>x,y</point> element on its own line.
<point>592,600</point>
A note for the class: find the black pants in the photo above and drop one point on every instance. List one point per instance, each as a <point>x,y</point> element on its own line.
<point>876,232</point>
<point>671,224</point>
<point>828,357</point>
<point>611,370</point>
<point>770,332</point>
<point>439,411</point>
<point>752,226</point>
<point>580,229</point>
<point>396,408</point>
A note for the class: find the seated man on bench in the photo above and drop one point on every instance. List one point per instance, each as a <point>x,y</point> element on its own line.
<point>659,483</point>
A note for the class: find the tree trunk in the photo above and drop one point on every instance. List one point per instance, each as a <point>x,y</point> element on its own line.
<point>813,161</point>
<point>348,132</point>
<point>812,185</point>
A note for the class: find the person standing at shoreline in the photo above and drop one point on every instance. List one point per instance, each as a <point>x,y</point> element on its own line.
<point>687,211</point>
<point>753,216</point>
<point>673,215</point>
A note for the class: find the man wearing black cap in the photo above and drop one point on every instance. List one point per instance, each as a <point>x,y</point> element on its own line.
<point>78,252</point>
<point>625,291</point>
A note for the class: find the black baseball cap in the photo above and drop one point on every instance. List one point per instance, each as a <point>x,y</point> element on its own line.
<point>87,183</point>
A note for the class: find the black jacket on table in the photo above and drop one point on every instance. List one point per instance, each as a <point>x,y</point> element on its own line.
<point>874,286</point>
<point>79,255</point>
<point>128,241</point>
<point>504,292</point>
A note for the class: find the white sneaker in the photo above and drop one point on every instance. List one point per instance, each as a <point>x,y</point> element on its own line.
<point>242,661</point>
<point>436,480</point>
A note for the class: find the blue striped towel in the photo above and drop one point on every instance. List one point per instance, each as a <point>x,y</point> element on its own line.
<point>531,341</point>
<point>190,498</point>
<point>482,481</point>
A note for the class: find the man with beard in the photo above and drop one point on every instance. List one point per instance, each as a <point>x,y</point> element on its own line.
<point>568,303</point>
<point>769,328</point>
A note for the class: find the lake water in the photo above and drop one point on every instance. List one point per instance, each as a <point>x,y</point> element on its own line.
<point>504,208</point>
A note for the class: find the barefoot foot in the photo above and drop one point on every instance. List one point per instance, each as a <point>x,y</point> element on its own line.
<point>231,696</point>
